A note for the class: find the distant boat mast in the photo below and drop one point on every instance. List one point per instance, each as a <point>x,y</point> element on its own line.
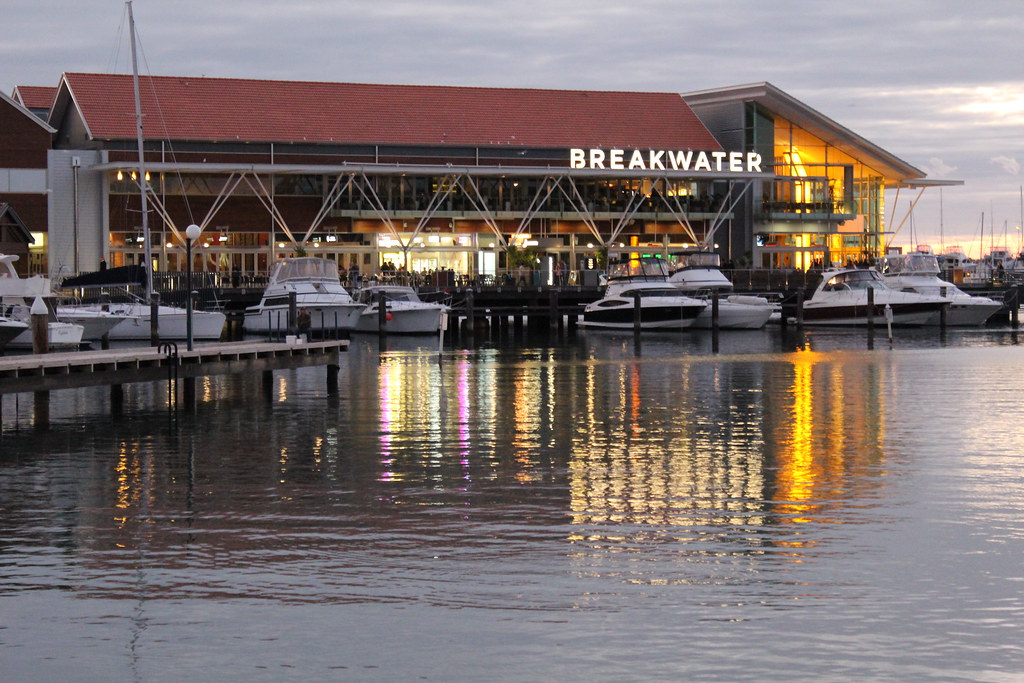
<point>147,243</point>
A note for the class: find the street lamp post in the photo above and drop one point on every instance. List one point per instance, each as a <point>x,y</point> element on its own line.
<point>192,233</point>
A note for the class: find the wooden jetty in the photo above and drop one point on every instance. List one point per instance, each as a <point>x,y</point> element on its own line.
<point>40,374</point>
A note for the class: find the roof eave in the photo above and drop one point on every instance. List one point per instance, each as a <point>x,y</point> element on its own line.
<point>807,117</point>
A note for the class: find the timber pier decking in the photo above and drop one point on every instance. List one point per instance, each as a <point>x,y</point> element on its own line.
<point>41,373</point>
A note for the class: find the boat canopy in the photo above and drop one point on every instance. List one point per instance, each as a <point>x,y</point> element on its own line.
<point>306,269</point>
<point>642,268</point>
<point>853,279</point>
<point>913,263</point>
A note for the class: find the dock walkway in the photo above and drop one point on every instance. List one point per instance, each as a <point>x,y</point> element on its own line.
<point>40,374</point>
<point>68,370</point>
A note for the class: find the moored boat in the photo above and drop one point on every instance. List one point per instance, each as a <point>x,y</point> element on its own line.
<point>405,312</point>
<point>316,286</point>
<point>17,297</point>
<point>697,273</point>
<point>645,281</point>
<point>918,272</point>
<point>842,299</point>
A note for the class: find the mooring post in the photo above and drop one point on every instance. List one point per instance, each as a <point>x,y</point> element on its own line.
<point>116,400</point>
<point>1015,308</point>
<point>293,314</point>
<point>105,306</point>
<point>154,319</point>
<point>943,311</point>
<point>637,319</point>
<point>40,321</point>
<point>556,319</point>
<point>332,377</point>
<point>800,309</point>
<point>40,318</point>
<point>871,309</point>
<point>382,315</point>
<point>714,310</point>
<point>470,310</point>
<point>188,386</point>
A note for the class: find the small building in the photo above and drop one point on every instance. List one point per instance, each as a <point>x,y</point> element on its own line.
<point>25,143</point>
<point>15,237</point>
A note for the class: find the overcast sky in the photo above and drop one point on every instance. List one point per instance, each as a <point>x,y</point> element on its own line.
<point>938,83</point>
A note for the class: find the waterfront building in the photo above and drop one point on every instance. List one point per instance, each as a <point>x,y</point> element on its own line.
<point>438,178</point>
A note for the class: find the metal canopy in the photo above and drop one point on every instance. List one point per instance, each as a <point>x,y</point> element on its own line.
<point>359,175</point>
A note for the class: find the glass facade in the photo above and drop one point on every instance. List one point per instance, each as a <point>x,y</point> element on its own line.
<point>823,207</point>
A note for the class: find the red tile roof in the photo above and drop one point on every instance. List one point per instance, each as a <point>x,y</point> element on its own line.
<point>35,96</point>
<point>226,109</point>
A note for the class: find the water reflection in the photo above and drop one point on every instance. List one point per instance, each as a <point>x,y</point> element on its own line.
<point>655,490</point>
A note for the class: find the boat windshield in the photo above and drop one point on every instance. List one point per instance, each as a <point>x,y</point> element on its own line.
<point>306,269</point>
<point>854,279</point>
<point>697,259</point>
<point>372,296</point>
<point>643,268</point>
<point>910,264</point>
<point>648,292</point>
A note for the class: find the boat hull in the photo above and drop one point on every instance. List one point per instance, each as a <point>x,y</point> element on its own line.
<point>329,318</point>
<point>735,316</point>
<point>172,323</point>
<point>95,324</point>
<point>60,335</point>
<point>966,314</point>
<point>857,314</point>
<point>9,330</point>
<point>657,317</point>
<point>423,319</point>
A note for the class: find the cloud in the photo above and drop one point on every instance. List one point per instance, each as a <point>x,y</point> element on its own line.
<point>1008,164</point>
<point>937,168</point>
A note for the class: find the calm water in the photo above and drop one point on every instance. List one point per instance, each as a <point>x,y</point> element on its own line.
<point>779,510</point>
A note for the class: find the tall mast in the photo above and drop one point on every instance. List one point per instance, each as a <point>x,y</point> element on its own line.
<point>147,243</point>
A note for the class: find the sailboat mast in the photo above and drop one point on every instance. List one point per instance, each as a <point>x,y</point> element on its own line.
<point>147,243</point>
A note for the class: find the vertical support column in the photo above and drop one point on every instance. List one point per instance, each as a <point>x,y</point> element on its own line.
<point>714,311</point>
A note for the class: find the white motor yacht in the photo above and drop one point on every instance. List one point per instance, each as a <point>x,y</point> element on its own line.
<point>317,288</point>
<point>698,272</point>
<point>918,272</point>
<point>17,296</point>
<point>405,312</point>
<point>662,305</point>
<point>133,314</point>
<point>842,299</point>
<point>134,325</point>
